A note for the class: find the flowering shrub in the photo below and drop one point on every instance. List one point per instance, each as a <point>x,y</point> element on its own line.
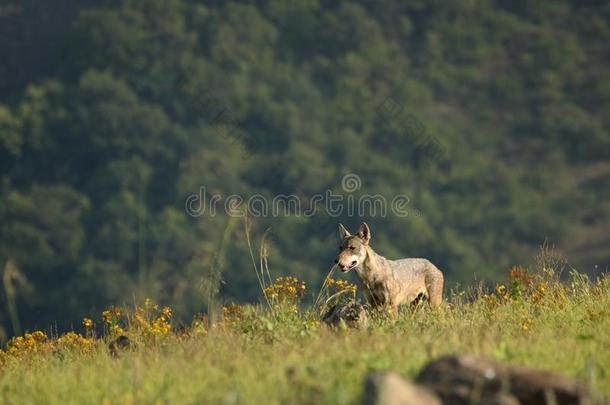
<point>521,286</point>
<point>285,295</point>
<point>112,320</point>
<point>75,343</point>
<point>27,344</point>
<point>285,289</point>
<point>340,286</point>
<point>35,343</point>
<point>232,314</point>
<point>338,292</point>
<point>151,321</point>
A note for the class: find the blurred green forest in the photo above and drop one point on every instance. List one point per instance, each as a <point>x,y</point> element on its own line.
<point>112,113</point>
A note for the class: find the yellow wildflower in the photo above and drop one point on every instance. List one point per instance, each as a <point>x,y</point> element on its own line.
<point>87,323</point>
<point>285,289</point>
<point>503,292</point>
<point>39,336</point>
<point>107,316</point>
<point>166,312</point>
<point>526,324</point>
<point>232,313</point>
<point>336,286</point>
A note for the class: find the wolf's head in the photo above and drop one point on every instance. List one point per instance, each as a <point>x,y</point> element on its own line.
<point>352,248</point>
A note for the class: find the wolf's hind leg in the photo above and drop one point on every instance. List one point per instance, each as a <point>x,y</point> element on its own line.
<point>419,301</point>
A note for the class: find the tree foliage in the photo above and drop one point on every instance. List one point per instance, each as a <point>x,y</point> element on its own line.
<point>133,106</point>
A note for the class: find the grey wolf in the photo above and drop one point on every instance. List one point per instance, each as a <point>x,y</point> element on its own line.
<point>390,283</point>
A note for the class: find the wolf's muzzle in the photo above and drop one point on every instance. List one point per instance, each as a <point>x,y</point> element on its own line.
<point>346,267</point>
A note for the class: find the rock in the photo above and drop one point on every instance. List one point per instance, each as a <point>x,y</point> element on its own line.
<point>118,345</point>
<point>351,314</point>
<point>387,388</point>
<point>470,379</point>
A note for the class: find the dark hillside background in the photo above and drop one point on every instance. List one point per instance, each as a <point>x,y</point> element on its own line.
<point>492,116</point>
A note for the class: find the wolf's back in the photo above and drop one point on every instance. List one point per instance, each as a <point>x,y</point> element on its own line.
<point>418,273</point>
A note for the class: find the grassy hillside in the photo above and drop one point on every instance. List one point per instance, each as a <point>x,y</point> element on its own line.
<point>282,354</point>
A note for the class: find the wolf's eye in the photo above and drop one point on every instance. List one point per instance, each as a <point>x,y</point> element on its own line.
<point>352,248</point>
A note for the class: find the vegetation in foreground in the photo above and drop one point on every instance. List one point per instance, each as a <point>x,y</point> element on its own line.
<point>280,353</point>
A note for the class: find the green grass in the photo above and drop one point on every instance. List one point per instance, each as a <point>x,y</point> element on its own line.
<point>287,358</point>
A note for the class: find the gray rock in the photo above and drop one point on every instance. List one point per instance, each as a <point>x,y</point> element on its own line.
<point>118,345</point>
<point>470,379</point>
<point>352,315</point>
<point>387,388</point>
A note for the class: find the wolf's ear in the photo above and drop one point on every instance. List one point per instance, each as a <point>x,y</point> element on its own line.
<point>343,233</point>
<point>364,232</point>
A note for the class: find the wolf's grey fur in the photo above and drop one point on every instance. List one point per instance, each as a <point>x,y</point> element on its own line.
<point>388,282</point>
